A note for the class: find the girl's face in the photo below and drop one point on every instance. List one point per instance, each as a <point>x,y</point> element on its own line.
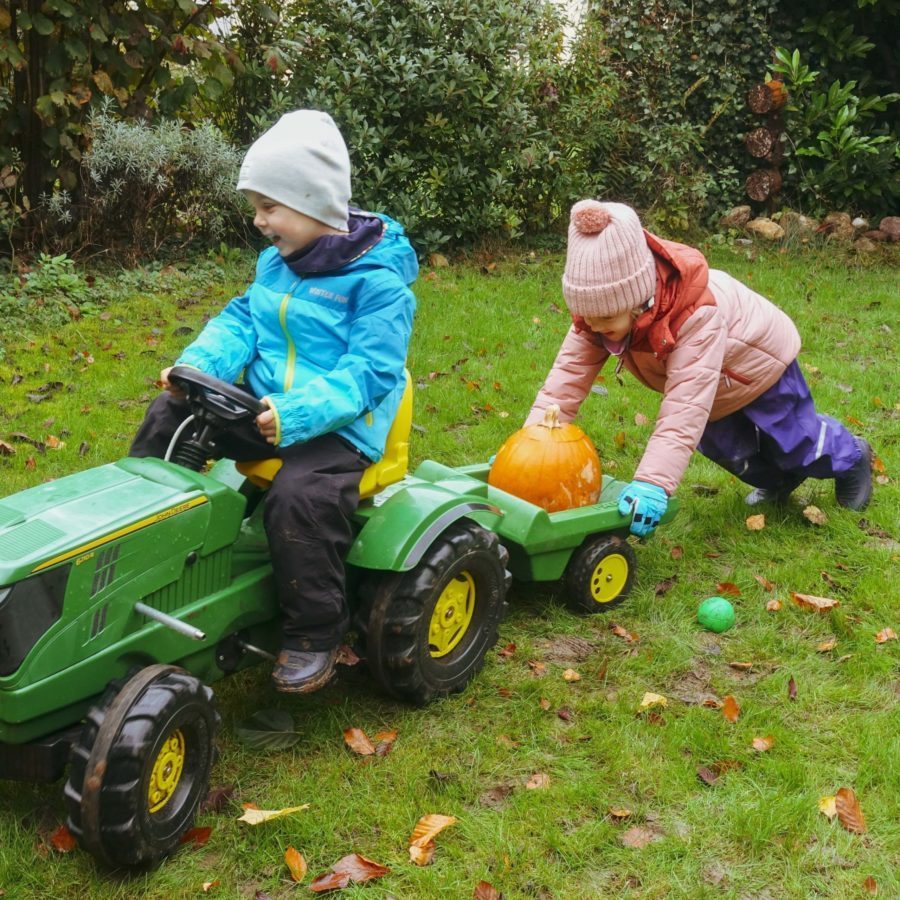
<point>616,328</point>
<point>286,228</point>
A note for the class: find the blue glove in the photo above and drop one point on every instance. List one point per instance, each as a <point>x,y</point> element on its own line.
<point>646,503</point>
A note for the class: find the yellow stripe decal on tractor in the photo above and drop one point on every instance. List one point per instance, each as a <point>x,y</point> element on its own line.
<point>137,526</point>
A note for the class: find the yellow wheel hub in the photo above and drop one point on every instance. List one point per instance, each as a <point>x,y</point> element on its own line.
<point>452,615</point>
<point>166,771</point>
<point>609,578</point>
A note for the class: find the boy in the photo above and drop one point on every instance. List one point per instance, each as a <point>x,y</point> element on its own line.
<point>321,336</point>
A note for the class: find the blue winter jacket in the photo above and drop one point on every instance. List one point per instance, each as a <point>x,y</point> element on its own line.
<point>326,350</point>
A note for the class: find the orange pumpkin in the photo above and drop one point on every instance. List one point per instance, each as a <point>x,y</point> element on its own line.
<point>552,465</point>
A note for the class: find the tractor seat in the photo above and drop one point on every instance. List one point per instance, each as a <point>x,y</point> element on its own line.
<point>389,469</point>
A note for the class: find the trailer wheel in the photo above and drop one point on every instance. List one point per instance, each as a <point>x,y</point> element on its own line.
<point>141,766</point>
<point>428,630</point>
<point>599,574</point>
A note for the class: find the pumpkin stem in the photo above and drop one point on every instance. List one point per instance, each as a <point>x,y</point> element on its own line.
<point>551,417</point>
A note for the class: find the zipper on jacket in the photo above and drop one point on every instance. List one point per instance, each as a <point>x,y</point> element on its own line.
<point>740,379</point>
<point>291,348</point>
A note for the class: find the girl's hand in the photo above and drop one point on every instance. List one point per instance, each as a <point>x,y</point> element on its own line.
<point>646,503</point>
<point>265,422</point>
<point>167,385</point>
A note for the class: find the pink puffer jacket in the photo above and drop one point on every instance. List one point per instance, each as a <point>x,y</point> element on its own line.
<point>724,356</point>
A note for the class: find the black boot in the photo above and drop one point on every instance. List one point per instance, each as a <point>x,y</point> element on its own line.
<point>303,671</point>
<point>853,489</point>
<point>778,494</point>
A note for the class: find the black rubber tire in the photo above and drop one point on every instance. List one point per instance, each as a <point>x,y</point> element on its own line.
<point>400,607</point>
<point>107,791</point>
<point>608,558</point>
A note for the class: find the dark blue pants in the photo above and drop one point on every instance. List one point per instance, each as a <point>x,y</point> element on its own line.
<point>779,438</point>
<point>308,517</point>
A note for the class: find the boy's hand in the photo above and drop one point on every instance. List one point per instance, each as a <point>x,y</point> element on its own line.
<point>167,385</point>
<point>265,422</point>
<point>646,503</point>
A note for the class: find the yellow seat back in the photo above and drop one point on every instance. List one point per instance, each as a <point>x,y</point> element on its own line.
<point>389,469</point>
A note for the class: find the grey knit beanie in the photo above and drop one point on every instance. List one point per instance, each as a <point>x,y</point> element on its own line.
<point>302,162</point>
<point>609,267</point>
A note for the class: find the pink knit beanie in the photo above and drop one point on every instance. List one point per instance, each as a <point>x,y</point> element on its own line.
<point>609,267</point>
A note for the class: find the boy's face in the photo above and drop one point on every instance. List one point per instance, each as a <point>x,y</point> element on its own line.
<point>613,327</point>
<point>286,228</point>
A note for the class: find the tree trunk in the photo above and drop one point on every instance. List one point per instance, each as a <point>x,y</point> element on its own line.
<point>766,97</point>
<point>763,184</point>
<point>761,142</point>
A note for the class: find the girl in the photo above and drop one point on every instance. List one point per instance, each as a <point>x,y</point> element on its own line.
<point>723,357</point>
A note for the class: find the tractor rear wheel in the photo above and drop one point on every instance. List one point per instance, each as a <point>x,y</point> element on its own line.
<point>141,766</point>
<point>600,574</point>
<point>428,630</point>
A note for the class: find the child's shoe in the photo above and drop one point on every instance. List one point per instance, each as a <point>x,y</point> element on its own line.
<point>774,495</point>
<point>853,489</point>
<point>303,671</point>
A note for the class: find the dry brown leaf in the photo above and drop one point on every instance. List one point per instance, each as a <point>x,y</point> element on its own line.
<point>641,419</point>
<point>817,604</point>
<point>676,552</point>
<point>885,635</point>
<point>762,744</point>
<point>623,633</point>
<point>755,523</point>
<point>638,837</point>
<point>815,515</point>
<point>254,816</point>
<point>619,439</point>
<point>792,688</point>
<point>545,703</point>
<point>357,740</point>
<point>421,841</point>
<point>827,807</point>
<point>773,606</point>
<point>507,741</point>
<point>827,646</point>
<point>484,890</point>
<point>538,782</point>
<point>619,812</point>
<point>422,855</point>
<point>571,675</point>
<point>198,836</point>
<point>870,886</point>
<point>62,840</point>
<point>650,699</point>
<point>209,885</point>
<point>728,589</point>
<point>507,651</point>
<point>741,666</point>
<point>538,669</point>
<point>707,775</point>
<point>347,656</point>
<point>352,867</point>
<point>849,812</point>
<point>296,863</point>
<point>765,583</point>
<point>730,708</point>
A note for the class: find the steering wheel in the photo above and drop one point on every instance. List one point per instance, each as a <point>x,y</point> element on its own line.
<point>213,398</point>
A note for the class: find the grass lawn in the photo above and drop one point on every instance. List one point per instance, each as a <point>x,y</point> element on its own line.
<point>624,813</point>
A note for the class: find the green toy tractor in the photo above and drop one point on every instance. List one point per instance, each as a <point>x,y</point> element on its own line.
<point>127,589</point>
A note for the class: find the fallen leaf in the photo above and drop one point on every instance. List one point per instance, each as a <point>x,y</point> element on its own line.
<point>197,837</point>
<point>730,708</point>
<point>815,515</point>
<point>827,807</point>
<point>849,813</point>
<point>845,657</point>
<point>676,552</point>
<point>870,886</point>
<point>538,669</point>
<point>773,606</point>
<point>619,812</point>
<point>638,837</point>
<point>766,584</point>
<point>346,656</point>
<point>827,646</point>
<point>728,588</point>
<point>741,666</point>
<point>756,523</point>
<point>792,689</point>
<point>650,700</point>
<point>296,863</point>
<point>665,586</point>
<point>429,827</point>
<point>268,729</point>
<point>619,439</point>
<point>258,816</point>
<point>217,799</point>
<point>817,604</point>
<point>762,744</point>
<point>209,885</point>
<point>641,419</point>
<point>538,782</point>
<point>385,742</point>
<point>357,740</point>
<point>571,675</point>
<point>623,633</point>
<point>63,840</point>
<point>885,635</point>
<point>564,714</point>
<point>494,797</point>
<point>507,651</point>
<point>544,703</point>
<point>352,867</point>
<point>7,449</point>
<point>707,775</point>
<point>422,855</point>
<point>484,890</point>
<point>506,741</point>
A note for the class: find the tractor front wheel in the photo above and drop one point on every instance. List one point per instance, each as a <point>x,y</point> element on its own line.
<point>600,574</point>
<point>141,766</point>
<point>428,629</point>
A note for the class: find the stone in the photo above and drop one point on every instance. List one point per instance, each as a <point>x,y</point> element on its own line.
<point>765,229</point>
<point>838,227</point>
<point>876,234</point>
<point>797,225</point>
<point>438,261</point>
<point>860,224</point>
<point>737,217</point>
<point>864,245</point>
<point>890,225</point>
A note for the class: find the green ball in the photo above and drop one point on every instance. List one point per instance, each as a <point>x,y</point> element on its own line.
<point>716,614</point>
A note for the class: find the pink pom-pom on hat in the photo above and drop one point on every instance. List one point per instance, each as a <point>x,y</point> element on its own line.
<point>609,267</point>
<point>589,217</point>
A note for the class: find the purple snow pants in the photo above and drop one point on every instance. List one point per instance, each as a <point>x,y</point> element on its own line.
<point>779,438</point>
